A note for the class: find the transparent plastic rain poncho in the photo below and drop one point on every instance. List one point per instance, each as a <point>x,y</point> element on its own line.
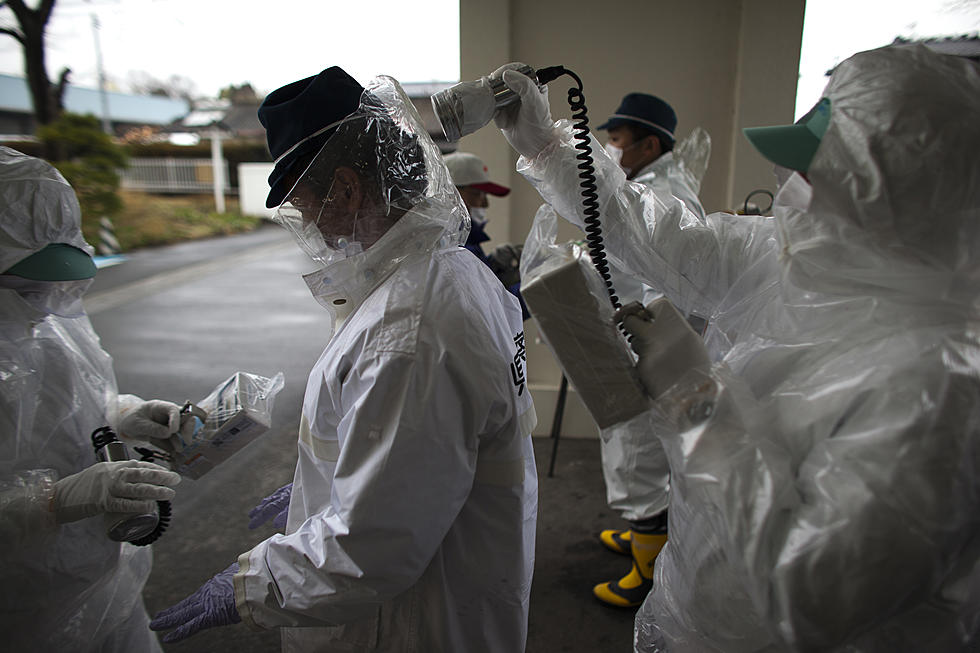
<point>418,210</point>
<point>825,479</point>
<point>67,587</point>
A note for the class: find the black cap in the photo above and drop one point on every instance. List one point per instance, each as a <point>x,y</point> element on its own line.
<point>300,117</point>
<point>646,111</point>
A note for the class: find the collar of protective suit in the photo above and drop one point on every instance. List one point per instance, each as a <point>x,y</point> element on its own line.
<point>659,167</point>
<point>894,209</point>
<point>342,286</point>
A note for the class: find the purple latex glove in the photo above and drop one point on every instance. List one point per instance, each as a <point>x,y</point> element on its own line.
<point>213,604</point>
<point>275,507</point>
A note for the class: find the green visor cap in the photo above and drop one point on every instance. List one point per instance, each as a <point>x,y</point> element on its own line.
<point>56,262</point>
<point>793,146</point>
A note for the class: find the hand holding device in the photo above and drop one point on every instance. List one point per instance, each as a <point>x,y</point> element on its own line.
<point>667,345</point>
<point>129,486</point>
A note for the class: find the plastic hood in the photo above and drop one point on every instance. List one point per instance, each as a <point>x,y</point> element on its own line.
<point>896,177</point>
<point>37,208</point>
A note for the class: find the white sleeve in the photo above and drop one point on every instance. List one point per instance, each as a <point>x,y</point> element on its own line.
<point>25,507</point>
<point>405,470</point>
<point>653,237</point>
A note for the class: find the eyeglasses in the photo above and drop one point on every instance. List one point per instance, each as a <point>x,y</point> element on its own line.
<point>309,194</point>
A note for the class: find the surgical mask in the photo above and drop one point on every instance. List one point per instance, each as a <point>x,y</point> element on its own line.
<point>478,215</point>
<point>616,154</point>
<point>61,298</point>
<point>782,175</point>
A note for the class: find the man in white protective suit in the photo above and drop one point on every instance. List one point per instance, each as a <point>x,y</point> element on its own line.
<point>634,466</point>
<point>824,445</point>
<point>412,513</point>
<point>65,585</point>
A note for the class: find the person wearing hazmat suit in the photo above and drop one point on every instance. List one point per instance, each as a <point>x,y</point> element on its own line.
<point>412,513</point>
<point>641,140</point>
<point>824,444</point>
<point>65,585</point>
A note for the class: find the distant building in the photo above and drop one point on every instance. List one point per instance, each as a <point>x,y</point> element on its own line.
<point>126,111</point>
<point>238,118</point>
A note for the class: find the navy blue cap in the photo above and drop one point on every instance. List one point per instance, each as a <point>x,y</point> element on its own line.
<point>646,111</point>
<point>300,117</point>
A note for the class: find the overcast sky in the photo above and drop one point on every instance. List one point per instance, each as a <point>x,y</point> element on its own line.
<point>215,43</point>
<point>267,43</point>
<point>833,30</point>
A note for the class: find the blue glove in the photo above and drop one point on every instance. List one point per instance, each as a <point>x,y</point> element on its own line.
<point>213,604</point>
<point>275,507</point>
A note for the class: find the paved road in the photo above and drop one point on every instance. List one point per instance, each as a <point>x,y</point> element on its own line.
<point>178,320</point>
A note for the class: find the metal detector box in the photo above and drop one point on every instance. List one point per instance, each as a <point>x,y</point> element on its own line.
<point>569,301</point>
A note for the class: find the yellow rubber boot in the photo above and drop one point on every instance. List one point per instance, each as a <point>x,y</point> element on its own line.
<point>630,590</point>
<point>616,541</point>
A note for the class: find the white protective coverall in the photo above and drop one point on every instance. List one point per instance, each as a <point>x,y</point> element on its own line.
<point>412,519</point>
<point>825,492</point>
<point>634,465</point>
<point>62,587</point>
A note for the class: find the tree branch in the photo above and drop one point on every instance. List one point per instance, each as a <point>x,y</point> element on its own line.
<point>44,10</point>
<point>14,33</point>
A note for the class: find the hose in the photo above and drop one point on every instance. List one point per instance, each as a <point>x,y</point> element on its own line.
<point>586,175</point>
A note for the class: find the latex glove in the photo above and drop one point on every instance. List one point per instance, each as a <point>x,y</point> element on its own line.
<point>123,486</point>
<point>667,345</point>
<point>527,125</point>
<point>213,604</point>
<point>275,507</point>
<point>161,423</point>
<point>505,261</point>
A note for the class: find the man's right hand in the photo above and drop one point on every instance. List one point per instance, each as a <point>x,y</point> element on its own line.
<point>123,486</point>
<point>667,345</point>
<point>527,125</point>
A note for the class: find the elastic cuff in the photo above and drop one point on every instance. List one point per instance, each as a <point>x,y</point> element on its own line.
<point>238,580</point>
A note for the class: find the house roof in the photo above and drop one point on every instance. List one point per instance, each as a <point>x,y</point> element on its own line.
<point>123,107</point>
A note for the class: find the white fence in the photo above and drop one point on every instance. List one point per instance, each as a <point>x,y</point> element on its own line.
<point>172,175</point>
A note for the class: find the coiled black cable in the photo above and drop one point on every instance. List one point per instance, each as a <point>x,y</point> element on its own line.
<point>103,436</point>
<point>586,175</point>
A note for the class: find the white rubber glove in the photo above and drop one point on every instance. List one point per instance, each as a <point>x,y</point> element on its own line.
<point>667,345</point>
<point>124,486</point>
<point>159,422</point>
<point>527,125</point>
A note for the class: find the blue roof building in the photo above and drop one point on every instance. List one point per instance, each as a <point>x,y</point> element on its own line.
<point>125,110</point>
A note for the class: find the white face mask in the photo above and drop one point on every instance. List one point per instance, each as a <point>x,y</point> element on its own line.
<point>478,215</point>
<point>61,298</point>
<point>616,154</point>
<point>782,175</point>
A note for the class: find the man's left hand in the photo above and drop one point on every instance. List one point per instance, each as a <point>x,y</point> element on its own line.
<point>213,604</point>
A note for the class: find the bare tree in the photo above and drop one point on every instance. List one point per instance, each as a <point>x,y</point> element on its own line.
<point>175,86</point>
<point>47,97</point>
